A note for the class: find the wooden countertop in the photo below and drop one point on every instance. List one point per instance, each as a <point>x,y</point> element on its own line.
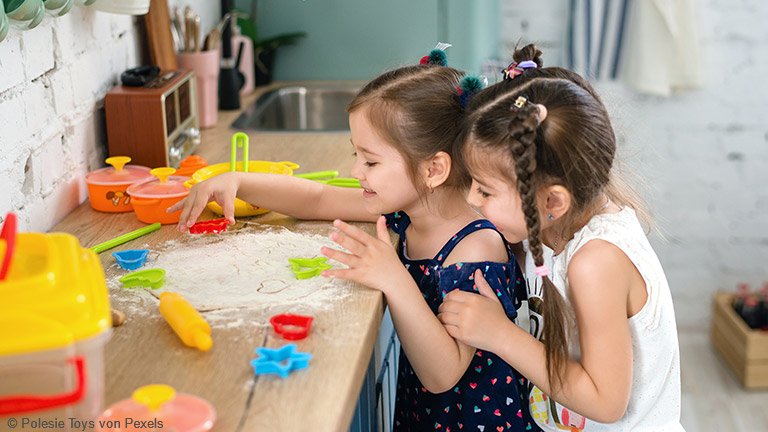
<point>144,350</point>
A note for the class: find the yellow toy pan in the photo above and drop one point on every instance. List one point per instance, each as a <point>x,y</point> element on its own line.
<point>242,208</point>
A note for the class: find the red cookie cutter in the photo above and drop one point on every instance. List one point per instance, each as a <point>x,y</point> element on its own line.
<point>213,226</point>
<point>292,327</point>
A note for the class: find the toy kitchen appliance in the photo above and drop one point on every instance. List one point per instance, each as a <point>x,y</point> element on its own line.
<point>155,124</point>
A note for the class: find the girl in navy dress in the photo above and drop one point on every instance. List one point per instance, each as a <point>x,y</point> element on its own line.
<point>403,126</point>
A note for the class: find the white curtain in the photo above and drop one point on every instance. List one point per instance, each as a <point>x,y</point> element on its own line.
<point>652,45</point>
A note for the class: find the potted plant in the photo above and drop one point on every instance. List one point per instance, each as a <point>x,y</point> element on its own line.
<point>264,49</point>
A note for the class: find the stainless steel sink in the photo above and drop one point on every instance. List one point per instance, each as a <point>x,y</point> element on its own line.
<point>291,109</point>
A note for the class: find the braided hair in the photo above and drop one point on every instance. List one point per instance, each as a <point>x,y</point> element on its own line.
<point>573,147</point>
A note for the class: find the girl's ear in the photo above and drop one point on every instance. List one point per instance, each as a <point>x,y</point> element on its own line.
<point>436,169</point>
<point>556,199</point>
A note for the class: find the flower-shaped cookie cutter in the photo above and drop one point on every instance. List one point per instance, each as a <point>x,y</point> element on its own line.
<point>280,361</point>
<point>290,326</point>
<point>311,267</point>
<point>151,278</point>
<point>131,259</point>
<point>213,226</point>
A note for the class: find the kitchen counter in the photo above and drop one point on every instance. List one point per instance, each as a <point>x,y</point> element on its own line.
<point>144,350</point>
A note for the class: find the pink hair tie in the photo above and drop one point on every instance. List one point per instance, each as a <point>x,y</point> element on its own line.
<point>541,270</point>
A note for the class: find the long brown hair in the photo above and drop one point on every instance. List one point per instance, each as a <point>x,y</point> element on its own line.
<point>574,147</point>
<point>416,109</point>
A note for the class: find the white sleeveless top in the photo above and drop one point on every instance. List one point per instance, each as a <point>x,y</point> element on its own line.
<point>654,403</point>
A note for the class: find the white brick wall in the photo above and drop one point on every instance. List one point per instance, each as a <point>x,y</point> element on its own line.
<point>703,153</point>
<point>52,84</point>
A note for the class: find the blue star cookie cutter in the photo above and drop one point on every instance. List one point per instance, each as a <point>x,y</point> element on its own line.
<point>131,259</point>
<point>312,267</point>
<point>280,361</point>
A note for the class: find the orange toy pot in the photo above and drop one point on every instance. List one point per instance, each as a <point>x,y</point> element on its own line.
<point>153,196</point>
<point>107,186</point>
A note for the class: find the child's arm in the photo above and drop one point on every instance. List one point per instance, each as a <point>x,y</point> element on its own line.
<point>597,386</point>
<point>438,360</point>
<point>292,196</point>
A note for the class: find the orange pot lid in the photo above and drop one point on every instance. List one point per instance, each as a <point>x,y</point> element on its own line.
<point>118,173</point>
<point>163,185</point>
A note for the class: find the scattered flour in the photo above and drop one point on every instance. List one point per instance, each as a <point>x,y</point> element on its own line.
<point>243,269</point>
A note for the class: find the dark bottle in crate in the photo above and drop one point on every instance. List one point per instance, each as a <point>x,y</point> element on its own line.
<point>741,296</point>
<point>751,312</point>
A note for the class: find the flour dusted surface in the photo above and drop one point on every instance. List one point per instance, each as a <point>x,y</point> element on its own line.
<point>237,269</point>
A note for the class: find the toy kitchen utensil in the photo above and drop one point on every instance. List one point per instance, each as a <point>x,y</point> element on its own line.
<point>153,196</point>
<point>305,268</point>
<point>159,407</point>
<point>290,326</point>
<point>107,186</point>
<point>55,319</point>
<point>280,361</point>
<point>186,322</point>
<point>242,208</point>
<point>131,259</point>
<point>214,226</point>
<point>150,278</point>
<point>117,241</point>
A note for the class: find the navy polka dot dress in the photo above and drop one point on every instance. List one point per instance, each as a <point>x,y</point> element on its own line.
<point>488,397</point>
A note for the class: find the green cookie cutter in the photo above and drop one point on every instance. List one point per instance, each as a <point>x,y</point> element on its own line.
<point>151,278</point>
<point>313,267</point>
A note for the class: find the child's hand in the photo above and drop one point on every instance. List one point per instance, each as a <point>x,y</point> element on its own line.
<point>372,262</point>
<point>221,188</point>
<point>472,318</point>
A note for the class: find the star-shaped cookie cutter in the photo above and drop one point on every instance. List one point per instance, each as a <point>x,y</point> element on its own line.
<point>313,267</point>
<point>290,326</point>
<point>131,259</point>
<point>213,226</point>
<point>280,361</point>
<point>152,278</point>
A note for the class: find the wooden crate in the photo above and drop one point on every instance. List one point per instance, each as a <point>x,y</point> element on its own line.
<point>745,350</point>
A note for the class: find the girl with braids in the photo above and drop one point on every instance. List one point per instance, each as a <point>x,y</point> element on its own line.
<point>403,125</point>
<point>540,149</point>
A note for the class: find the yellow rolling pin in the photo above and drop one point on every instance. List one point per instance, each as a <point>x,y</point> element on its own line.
<point>185,321</point>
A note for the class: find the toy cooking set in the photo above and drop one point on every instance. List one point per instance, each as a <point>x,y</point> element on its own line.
<point>55,319</point>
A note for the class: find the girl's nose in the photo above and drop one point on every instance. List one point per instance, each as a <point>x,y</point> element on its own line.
<point>356,172</point>
<point>472,199</point>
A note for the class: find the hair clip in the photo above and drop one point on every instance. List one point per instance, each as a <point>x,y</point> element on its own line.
<point>519,102</point>
<point>436,56</point>
<point>469,86</point>
<point>515,69</point>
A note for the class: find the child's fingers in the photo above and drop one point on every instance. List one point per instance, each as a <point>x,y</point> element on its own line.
<point>482,286</point>
<point>448,318</point>
<point>346,274</point>
<point>176,207</point>
<point>347,243</point>
<point>381,229</point>
<point>353,232</point>
<point>340,256</point>
<point>227,204</point>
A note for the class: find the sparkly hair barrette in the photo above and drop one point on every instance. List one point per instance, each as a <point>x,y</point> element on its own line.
<point>469,86</point>
<point>436,56</point>
<point>515,69</point>
<point>519,103</point>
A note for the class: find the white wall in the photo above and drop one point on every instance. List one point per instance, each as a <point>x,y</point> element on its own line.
<point>703,153</point>
<point>53,79</point>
